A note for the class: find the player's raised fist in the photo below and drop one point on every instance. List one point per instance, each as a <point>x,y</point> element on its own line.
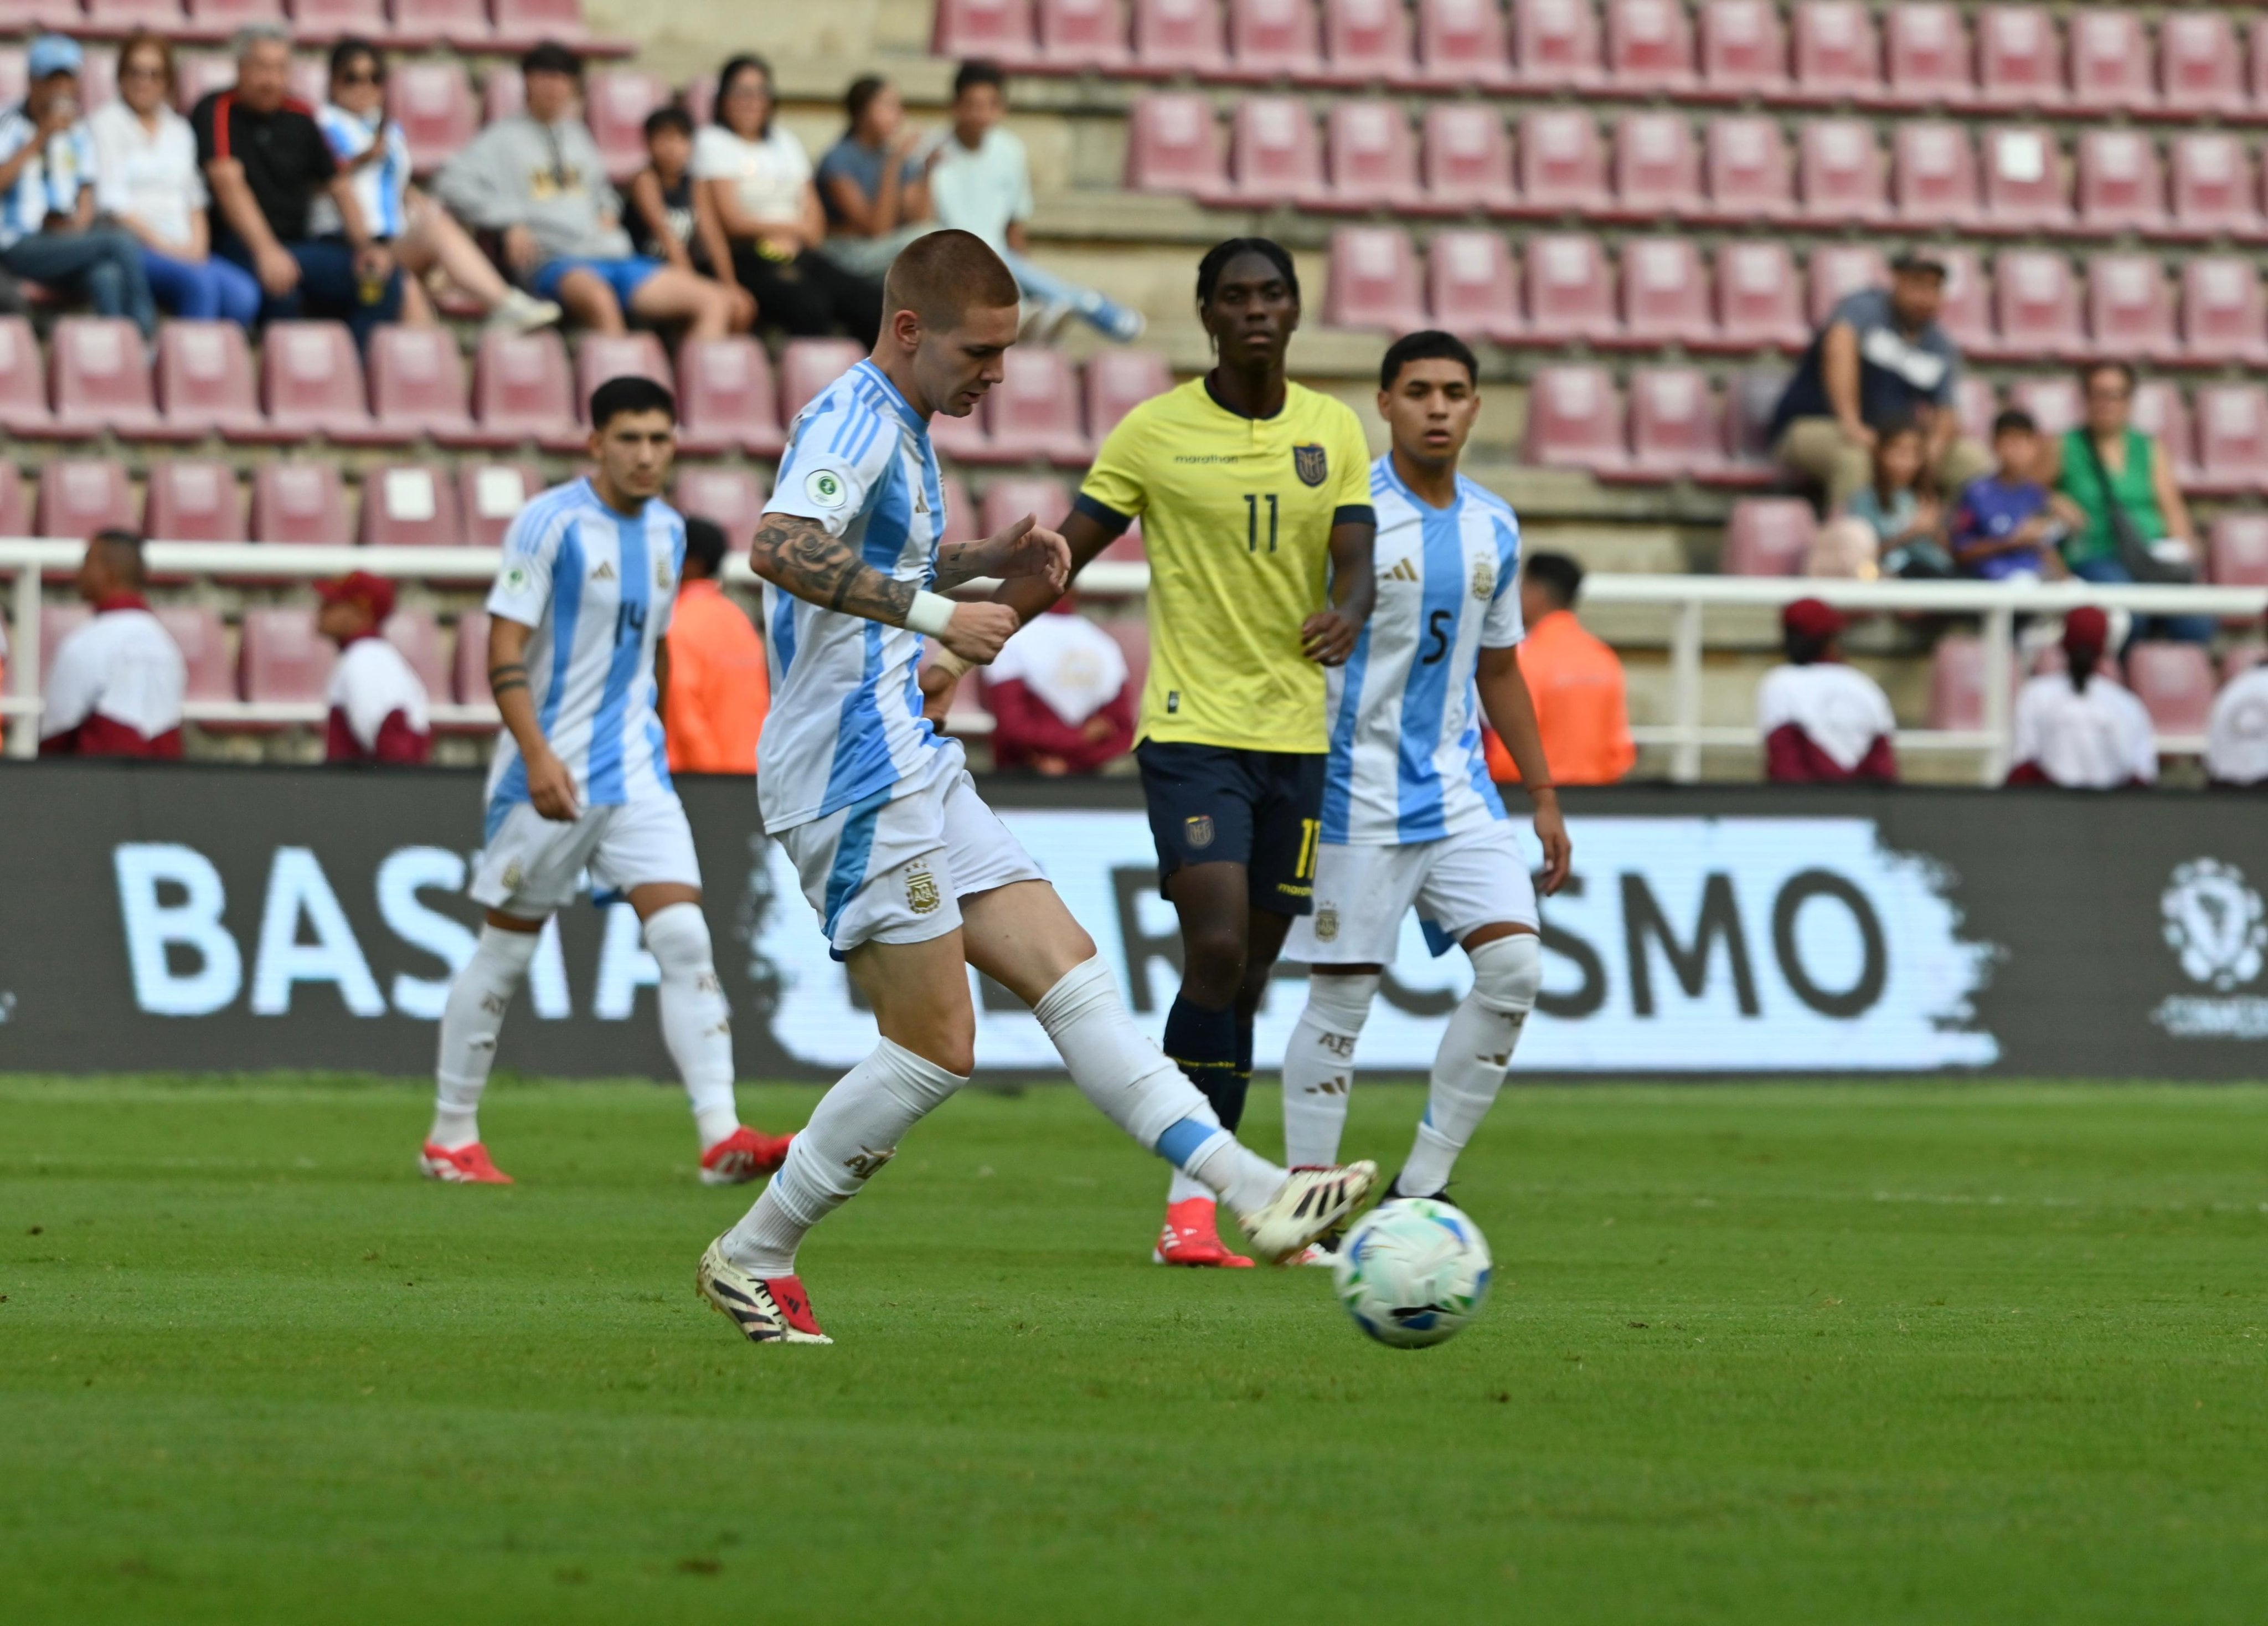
<point>977,630</point>
<point>1028,548</point>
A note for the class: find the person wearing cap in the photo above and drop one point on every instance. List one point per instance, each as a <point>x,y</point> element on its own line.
<point>378,703</point>
<point>1823,722</point>
<point>718,688</point>
<point>118,682</point>
<point>1881,356</point>
<point>48,230</point>
<point>1574,681</point>
<point>2077,728</point>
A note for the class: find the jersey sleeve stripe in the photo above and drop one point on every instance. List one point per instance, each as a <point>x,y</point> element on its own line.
<point>1102,514</point>
<point>1354,513</point>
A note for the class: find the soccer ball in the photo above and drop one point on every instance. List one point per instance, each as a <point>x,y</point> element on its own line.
<point>1412,1272</point>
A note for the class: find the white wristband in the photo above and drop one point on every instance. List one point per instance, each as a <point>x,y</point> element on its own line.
<point>928,613</point>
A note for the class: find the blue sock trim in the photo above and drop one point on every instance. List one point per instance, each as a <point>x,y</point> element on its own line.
<point>1180,1141</point>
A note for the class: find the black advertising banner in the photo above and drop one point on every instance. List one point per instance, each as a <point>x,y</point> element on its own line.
<point>223,917</point>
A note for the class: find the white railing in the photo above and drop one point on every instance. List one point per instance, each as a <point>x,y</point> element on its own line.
<point>1687,598</point>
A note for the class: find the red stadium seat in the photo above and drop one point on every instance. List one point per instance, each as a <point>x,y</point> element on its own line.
<point>1274,39</point>
<point>1119,380</point>
<point>599,357</point>
<point>1273,155</point>
<point>411,505</point>
<point>521,24</point>
<point>321,22</point>
<point>2120,187</point>
<point>1366,41</point>
<point>1966,315</point>
<point>520,389</point>
<point>1665,292</point>
<point>1561,166</point>
<point>1463,42</point>
<point>1751,400</point>
<point>2160,410</point>
<point>1657,172</point>
<point>281,658</point>
<point>1372,161</point>
<point>1467,160</point>
<point>731,499</point>
<point>1575,419</point>
<point>418,636</point>
<point>101,379</point>
<point>1956,683</point>
<point>726,398</point>
<point>1743,48</point>
<point>470,665</point>
<point>2200,70</point>
<point>2053,402</point>
<point>32,16</point>
<point>1750,180</point>
<point>418,385</point>
<point>959,513</point>
<point>1083,36</point>
<point>1180,36</point>
<point>1837,52</point>
<point>615,103</point>
<point>2223,317</point>
<point>1555,44</point>
<point>1839,269</point>
<point>1373,280</point>
<point>204,378</point>
<point>2232,431</point>
<point>463,23</point>
<point>2019,59</point>
<point>310,382</point>
<point>1132,634</point>
<point>2110,60</point>
<point>809,365</point>
<point>15,513</point>
<point>1934,175</point>
<point>2174,682</point>
<point>491,495</point>
<point>97,79</point>
<point>2257,64</point>
<point>996,30</point>
<point>115,20</point>
<point>1173,145</point>
<point>196,73</point>
<point>2213,185</point>
<point>24,408</point>
<point>1649,47</point>
<point>2237,551</point>
<point>81,495</point>
<point>1839,171</point>
<point>203,639</point>
<point>1570,292</point>
<point>433,102</point>
<point>300,502</point>
<point>1471,287</point>
<point>1976,403</point>
<point>2130,309</point>
<point>1047,499</point>
<point>1758,307</point>
<point>1033,411</point>
<point>192,501</point>
<point>1676,427</point>
<point>962,439</point>
<point>2025,186</point>
<point>1768,537</point>
<point>2036,305</point>
<point>1925,55</point>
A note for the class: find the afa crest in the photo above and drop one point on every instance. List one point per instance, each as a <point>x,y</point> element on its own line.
<point>1484,579</point>
<point>1310,464</point>
<point>922,896</point>
<point>1327,924</point>
<point>1198,830</point>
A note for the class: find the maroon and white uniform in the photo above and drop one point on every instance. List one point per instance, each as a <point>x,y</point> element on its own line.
<point>2099,738</point>
<point>378,706</point>
<point>116,686</point>
<point>2236,738</point>
<point>1825,723</point>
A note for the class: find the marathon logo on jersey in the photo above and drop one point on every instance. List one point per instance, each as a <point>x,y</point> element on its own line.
<point>1310,464</point>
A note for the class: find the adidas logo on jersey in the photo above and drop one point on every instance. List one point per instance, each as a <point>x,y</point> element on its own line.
<point>605,572</point>
<point>1404,570</point>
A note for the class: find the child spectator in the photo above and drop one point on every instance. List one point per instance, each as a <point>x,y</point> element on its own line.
<point>1823,722</point>
<point>1906,523</point>
<point>2077,728</point>
<point>378,704</point>
<point>2001,528</point>
<point>1058,696</point>
<point>668,221</point>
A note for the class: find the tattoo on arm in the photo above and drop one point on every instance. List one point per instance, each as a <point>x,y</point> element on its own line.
<point>798,555</point>
<point>958,562</point>
<point>512,676</point>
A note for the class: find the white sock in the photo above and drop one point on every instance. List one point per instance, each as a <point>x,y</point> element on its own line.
<point>697,1024</point>
<point>853,1132</point>
<point>1182,1186</point>
<point>1469,1069</point>
<point>1319,1066</point>
<point>479,995</point>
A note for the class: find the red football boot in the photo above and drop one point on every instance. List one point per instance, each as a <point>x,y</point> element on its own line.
<point>468,1165</point>
<point>742,1155</point>
<point>1192,1237</point>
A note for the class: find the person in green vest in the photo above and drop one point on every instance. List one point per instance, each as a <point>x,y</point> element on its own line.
<point>2125,470</point>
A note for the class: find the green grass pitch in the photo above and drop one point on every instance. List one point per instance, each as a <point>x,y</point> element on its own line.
<point>1832,1353</point>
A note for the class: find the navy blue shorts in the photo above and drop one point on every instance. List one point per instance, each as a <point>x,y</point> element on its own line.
<point>1215,804</point>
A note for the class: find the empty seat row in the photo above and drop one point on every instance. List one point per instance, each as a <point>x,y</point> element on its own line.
<point>468,25</point>
<point>1831,51</point>
<point>2173,681</point>
<point>1740,168</point>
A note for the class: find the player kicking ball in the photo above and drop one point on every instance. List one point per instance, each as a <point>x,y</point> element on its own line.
<point>913,877</point>
<point>1410,816</point>
<point>580,781</point>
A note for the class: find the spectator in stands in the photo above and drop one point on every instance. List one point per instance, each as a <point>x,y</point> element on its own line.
<point>2237,734</point>
<point>2118,495</point>
<point>378,704</point>
<point>713,705</point>
<point>753,172</point>
<point>266,160</point>
<point>1059,696</point>
<point>1881,359</point>
<point>374,152</point>
<point>2076,730</point>
<point>47,168</point>
<point>872,182</point>
<point>669,222</point>
<point>1823,722</point>
<point>980,181</point>
<point>1905,521</point>
<point>1575,681</point>
<point>2001,528</point>
<point>537,178</point>
<point>115,688</point>
<point>146,180</point>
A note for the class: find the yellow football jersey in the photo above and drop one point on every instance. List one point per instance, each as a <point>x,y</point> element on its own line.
<point>1236,519</point>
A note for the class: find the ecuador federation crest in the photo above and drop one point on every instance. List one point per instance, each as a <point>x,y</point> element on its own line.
<point>1310,464</point>
<point>1198,830</point>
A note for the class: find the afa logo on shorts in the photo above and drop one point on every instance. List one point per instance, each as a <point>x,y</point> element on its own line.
<point>922,896</point>
<point>1197,830</point>
<point>825,489</point>
<point>1327,924</point>
<point>1310,464</point>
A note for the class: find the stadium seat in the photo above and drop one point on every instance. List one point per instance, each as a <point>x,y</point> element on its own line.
<point>1758,307</point>
<point>2054,402</point>
<point>602,355</point>
<point>1956,683</point>
<point>1657,170</point>
<point>322,22</point>
<point>1046,499</point>
<point>1574,418</point>
<point>196,73</point>
<point>192,501</point>
<point>504,94</point>
<point>995,30</point>
<point>1841,269</point>
<point>2120,187</point>
<point>1555,44</point>
<point>1365,41</point>
<point>1768,537</point>
<point>2223,318</point>
<point>809,365</point>
<point>2160,410</point>
<point>1119,380</point>
<point>1372,161</point>
<point>98,78</point>
<point>1925,55</point>
<point>2019,60</point>
<point>520,389</point>
<point>2025,187</point>
<point>1083,36</point>
<point>490,496</point>
<point>1466,160</point>
<point>462,23</point>
<point>2200,69</point>
<point>2236,550</point>
<point>2257,64</point>
<point>1273,156</point>
<point>1562,167</point>
<point>432,101</point>
<point>2212,185</point>
<point>310,382</point>
<point>30,15</point>
<point>1839,171</point>
<point>962,439</point>
<point>1752,400</point>
<point>80,496</point>
<point>726,398</point>
<point>281,658</point>
<point>418,636</point>
<point>1749,176</point>
<point>1837,52</point>
<point>615,103</point>
<point>2130,309</point>
<point>1180,36</point>
<point>2232,437</point>
<point>521,24</point>
<point>1172,146</point>
<point>2173,681</point>
<point>418,385</point>
<point>2036,305</point>
<point>1743,48</point>
<point>199,634</point>
<point>1934,175</point>
<point>470,664</point>
<point>101,379</point>
<point>1966,314</point>
<point>731,499</point>
<point>1270,39</point>
<point>2110,60</point>
<point>115,20</point>
<point>1132,634</point>
<point>1034,411</point>
<point>203,381</point>
<point>24,408</point>
<point>411,505</point>
<point>1676,427</point>
<point>1649,47</point>
<point>1665,292</point>
<point>1471,287</point>
<point>959,513</point>
<point>15,513</point>
<point>1463,42</point>
<point>300,502</point>
<point>1373,280</point>
<point>1569,290</point>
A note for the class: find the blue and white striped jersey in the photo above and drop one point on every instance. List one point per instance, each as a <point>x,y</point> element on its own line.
<point>846,721</point>
<point>381,186</point>
<point>49,182</point>
<point>598,588</point>
<point>1406,759</point>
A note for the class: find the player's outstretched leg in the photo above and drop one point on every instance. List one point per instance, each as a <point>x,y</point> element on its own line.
<point>479,995</point>
<point>1319,1075</point>
<point>1470,1068</point>
<point>696,1025</point>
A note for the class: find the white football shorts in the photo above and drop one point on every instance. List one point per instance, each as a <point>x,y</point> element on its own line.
<point>535,866</point>
<point>1458,884</point>
<point>894,867</point>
